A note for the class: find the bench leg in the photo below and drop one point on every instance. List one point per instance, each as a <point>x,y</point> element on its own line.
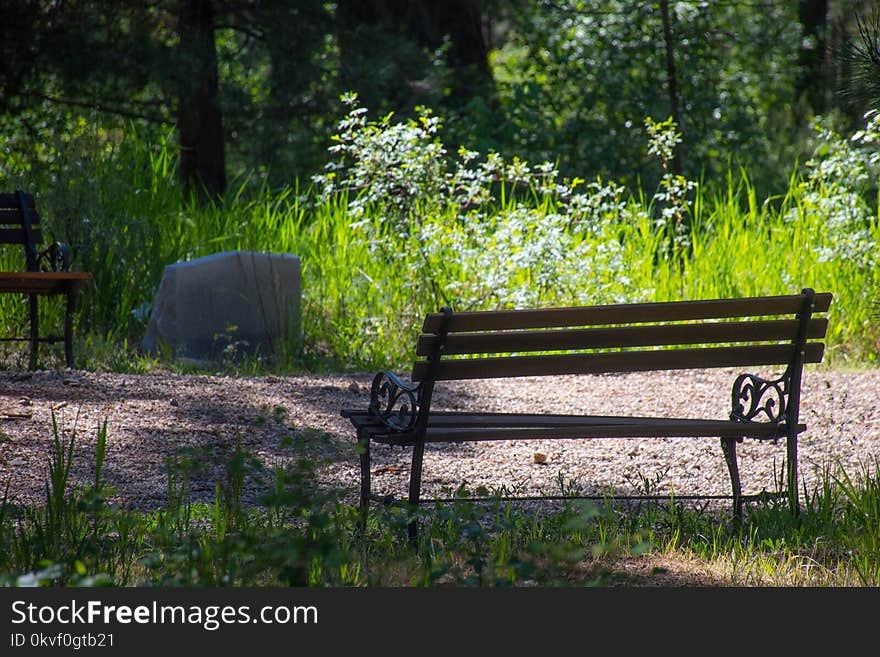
<point>364,452</point>
<point>415,487</point>
<point>68,329</point>
<point>728,445</point>
<point>32,303</point>
<point>792,458</point>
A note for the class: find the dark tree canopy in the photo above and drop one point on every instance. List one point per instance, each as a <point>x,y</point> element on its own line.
<point>253,85</point>
<point>199,118</point>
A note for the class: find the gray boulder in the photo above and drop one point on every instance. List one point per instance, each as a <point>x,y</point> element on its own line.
<point>232,303</point>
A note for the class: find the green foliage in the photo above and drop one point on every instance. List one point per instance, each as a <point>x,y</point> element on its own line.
<point>395,165</point>
<point>841,179</point>
<point>527,237</point>
<point>663,140</point>
<point>568,82</point>
<point>399,225</point>
<point>862,54</point>
<point>300,534</point>
<point>575,80</point>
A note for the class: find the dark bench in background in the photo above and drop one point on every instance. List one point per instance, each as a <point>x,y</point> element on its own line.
<point>774,331</point>
<point>46,272</point>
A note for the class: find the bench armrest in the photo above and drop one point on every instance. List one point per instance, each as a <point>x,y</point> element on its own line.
<point>394,402</point>
<point>55,257</point>
<point>753,396</point>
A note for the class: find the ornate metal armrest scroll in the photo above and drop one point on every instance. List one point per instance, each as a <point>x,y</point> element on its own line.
<point>753,396</point>
<point>394,402</point>
<point>55,257</point>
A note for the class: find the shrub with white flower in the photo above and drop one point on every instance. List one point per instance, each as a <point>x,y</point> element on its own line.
<point>841,176</point>
<point>478,231</point>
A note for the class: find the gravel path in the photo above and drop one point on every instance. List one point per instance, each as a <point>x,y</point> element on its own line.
<point>154,417</point>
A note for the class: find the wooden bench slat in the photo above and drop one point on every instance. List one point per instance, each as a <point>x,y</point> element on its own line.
<point>603,427</point>
<point>704,429</point>
<point>44,275</point>
<point>18,236</point>
<point>603,363</point>
<point>637,313</point>
<point>460,420</point>
<point>10,200</point>
<point>46,283</point>
<point>619,337</point>
<point>12,218</point>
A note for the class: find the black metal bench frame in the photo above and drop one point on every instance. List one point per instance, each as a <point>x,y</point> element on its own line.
<point>729,333</point>
<point>47,271</point>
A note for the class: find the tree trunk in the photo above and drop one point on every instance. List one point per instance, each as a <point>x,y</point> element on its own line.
<point>671,80</point>
<point>813,16</point>
<point>292,32</point>
<point>363,29</point>
<point>425,25</point>
<point>461,22</point>
<point>202,166</point>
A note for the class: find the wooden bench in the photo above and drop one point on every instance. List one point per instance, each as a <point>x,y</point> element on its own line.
<point>46,272</point>
<point>777,331</point>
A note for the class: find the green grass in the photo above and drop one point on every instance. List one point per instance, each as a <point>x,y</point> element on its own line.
<point>301,534</point>
<point>367,286</point>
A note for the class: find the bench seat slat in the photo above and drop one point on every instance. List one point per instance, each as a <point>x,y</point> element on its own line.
<point>457,419</point>
<point>43,282</point>
<point>619,337</point>
<point>9,201</point>
<point>477,427</point>
<point>637,313</point>
<point>604,363</point>
<point>708,429</point>
<point>18,236</point>
<point>11,218</point>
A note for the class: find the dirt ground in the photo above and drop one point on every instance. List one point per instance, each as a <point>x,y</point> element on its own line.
<point>154,419</point>
<point>163,424</point>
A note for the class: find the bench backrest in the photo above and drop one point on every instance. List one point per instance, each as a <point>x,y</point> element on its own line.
<point>20,224</point>
<point>754,331</point>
